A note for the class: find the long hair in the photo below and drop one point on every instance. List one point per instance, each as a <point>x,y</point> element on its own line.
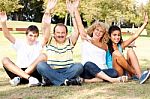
<point>96,24</point>
<point>110,43</point>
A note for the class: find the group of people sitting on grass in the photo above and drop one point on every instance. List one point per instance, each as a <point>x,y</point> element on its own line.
<point>50,61</point>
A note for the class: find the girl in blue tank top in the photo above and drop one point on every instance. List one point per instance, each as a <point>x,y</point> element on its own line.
<point>109,57</point>
<point>114,56</point>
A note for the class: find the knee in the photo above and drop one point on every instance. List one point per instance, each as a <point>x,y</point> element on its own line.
<point>5,61</point>
<point>40,66</point>
<point>116,53</point>
<point>43,57</point>
<point>79,67</point>
<point>130,51</point>
<point>89,66</point>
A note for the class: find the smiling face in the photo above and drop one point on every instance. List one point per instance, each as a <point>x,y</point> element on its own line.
<point>115,36</point>
<point>60,34</point>
<point>32,34</point>
<point>98,32</point>
<point>31,37</point>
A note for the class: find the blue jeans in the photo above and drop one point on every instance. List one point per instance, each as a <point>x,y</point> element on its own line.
<point>58,76</point>
<point>90,70</point>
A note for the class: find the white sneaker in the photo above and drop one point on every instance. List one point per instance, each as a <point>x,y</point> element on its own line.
<point>33,82</point>
<point>15,81</point>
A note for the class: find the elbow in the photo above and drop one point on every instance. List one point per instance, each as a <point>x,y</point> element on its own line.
<point>6,36</point>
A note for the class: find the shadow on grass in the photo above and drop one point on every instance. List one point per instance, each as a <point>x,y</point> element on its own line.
<point>129,90</point>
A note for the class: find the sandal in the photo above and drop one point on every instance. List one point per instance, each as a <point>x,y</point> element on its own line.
<point>123,79</point>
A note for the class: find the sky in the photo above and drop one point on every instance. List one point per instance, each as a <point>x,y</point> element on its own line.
<point>142,1</point>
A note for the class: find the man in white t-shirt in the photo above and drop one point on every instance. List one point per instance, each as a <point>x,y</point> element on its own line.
<point>24,71</point>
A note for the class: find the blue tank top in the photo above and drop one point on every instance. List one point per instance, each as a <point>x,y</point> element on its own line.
<point>109,57</point>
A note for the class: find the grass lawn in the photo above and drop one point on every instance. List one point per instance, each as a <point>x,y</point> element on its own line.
<point>129,90</point>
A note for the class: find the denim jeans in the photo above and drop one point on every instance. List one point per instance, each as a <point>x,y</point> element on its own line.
<point>58,76</point>
<point>91,69</point>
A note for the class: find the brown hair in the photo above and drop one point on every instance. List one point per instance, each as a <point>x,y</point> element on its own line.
<point>60,24</point>
<point>32,28</point>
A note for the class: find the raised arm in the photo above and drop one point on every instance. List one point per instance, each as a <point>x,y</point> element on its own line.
<point>71,9</point>
<point>46,21</point>
<point>3,19</point>
<point>81,28</point>
<point>138,32</point>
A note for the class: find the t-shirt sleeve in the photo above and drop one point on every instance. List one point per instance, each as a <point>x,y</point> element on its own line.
<point>17,44</point>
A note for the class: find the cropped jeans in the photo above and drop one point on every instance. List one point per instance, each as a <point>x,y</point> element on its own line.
<point>58,76</point>
<point>90,70</point>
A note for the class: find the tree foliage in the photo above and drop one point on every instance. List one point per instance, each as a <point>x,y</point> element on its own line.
<point>90,10</point>
<point>106,10</point>
<point>147,8</point>
<point>60,9</point>
<point>31,10</point>
<point>9,5</point>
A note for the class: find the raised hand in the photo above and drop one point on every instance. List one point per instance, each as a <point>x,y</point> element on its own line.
<point>76,3</point>
<point>145,17</point>
<point>70,7</point>
<point>3,17</point>
<point>51,4</point>
<point>47,15</point>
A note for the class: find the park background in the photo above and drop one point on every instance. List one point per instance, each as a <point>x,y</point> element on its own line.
<point>127,14</point>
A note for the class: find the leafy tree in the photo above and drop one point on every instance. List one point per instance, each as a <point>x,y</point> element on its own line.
<point>9,5</point>
<point>106,10</point>
<point>60,9</point>
<point>119,11</point>
<point>147,9</point>
<point>31,10</point>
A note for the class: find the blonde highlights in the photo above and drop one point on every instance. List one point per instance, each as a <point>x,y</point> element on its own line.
<point>104,27</point>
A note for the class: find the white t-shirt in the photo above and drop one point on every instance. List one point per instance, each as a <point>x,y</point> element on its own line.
<point>93,54</point>
<point>26,53</point>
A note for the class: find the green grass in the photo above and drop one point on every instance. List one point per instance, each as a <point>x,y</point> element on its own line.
<point>129,90</point>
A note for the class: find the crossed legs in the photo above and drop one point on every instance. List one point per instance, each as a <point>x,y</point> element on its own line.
<point>120,64</point>
<point>10,66</point>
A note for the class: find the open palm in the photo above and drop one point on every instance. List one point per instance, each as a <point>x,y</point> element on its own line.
<point>70,7</point>
<point>145,17</point>
<point>51,4</point>
<point>76,3</point>
<point>3,17</point>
